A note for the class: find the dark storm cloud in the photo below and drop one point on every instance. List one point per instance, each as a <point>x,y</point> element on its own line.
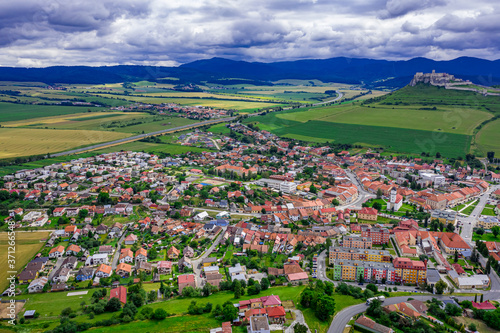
<point>48,32</point>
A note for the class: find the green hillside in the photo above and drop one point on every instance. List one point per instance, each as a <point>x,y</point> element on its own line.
<point>412,120</point>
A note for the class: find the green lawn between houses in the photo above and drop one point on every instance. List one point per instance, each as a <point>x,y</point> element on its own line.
<point>49,305</point>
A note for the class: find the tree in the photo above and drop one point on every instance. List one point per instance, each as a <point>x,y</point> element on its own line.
<point>372,287</point>
<point>160,314</point>
<point>495,230</point>
<point>440,287</point>
<point>83,213</point>
<point>299,328</point>
<point>237,289</point>
<point>264,284</point>
<point>152,254</point>
<point>103,198</point>
<point>113,305</point>
<point>152,296</point>
<point>207,289</point>
<point>229,312</point>
<point>325,307</point>
<point>488,267</point>
<point>379,193</point>
<point>377,205</point>
<point>453,310</point>
<point>472,327</point>
<point>455,259</point>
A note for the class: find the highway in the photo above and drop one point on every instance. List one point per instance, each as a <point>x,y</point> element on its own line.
<point>331,100</point>
<point>142,136</point>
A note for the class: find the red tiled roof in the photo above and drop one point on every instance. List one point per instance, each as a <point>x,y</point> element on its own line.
<point>120,293</point>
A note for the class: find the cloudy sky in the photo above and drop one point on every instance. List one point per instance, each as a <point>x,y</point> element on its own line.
<point>35,33</point>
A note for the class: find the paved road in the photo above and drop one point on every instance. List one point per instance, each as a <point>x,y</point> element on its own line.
<point>468,223</point>
<point>362,194</point>
<point>142,136</point>
<point>331,100</point>
<point>117,251</point>
<point>197,270</point>
<point>343,317</point>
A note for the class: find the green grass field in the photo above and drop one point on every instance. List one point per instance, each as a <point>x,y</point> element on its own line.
<point>172,149</point>
<point>488,138</point>
<point>411,120</point>
<point>11,111</point>
<point>161,124</point>
<point>219,128</point>
<point>391,138</point>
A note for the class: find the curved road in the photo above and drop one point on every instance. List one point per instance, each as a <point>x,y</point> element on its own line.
<point>332,100</point>
<point>142,136</point>
<point>342,318</point>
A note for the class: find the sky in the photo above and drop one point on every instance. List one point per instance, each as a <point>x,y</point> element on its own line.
<point>40,33</point>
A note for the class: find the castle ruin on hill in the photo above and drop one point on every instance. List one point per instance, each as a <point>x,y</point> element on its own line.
<point>437,79</point>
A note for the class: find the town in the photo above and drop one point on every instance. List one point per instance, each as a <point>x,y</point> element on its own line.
<point>263,216</point>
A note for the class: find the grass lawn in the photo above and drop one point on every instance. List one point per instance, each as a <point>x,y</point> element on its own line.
<point>174,324</point>
<point>489,210</point>
<point>467,211</point>
<point>481,325</point>
<point>485,237</point>
<point>27,244</point>
<point>341,302</point>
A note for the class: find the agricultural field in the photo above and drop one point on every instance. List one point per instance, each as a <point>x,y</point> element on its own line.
<point>155,148</point>
<point>488,138</point>
<point>391,138</point>
<point>16,142</point>
<point>77,121</point>
<point>27,245</point>
<point>405,121</point>
<point>15,112</point>
<point>443,119</point>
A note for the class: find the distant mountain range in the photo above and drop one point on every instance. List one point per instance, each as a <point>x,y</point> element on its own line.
<point>369,72</point>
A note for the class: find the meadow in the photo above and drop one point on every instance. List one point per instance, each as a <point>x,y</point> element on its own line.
<point>27,245</point>
<point>154,148</point>
<point>16,142</point>
<point>12,111</point>
<point>488,138</point>
<point>450,120</point>
<point>406,121</point>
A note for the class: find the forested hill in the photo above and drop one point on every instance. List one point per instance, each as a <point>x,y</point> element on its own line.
<point>372,73</point>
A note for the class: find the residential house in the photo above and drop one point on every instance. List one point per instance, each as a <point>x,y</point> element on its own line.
<point>124,270</point>
<point>130,239</point>
<point>164,267</point>
<point>84,273</point>
<point>173,253</point>
<point>120,293</point>
<point>103,271</point>
<point>37,285</point>
<point>142,266</point>
<point>185,281</point>
<point>56,252</point>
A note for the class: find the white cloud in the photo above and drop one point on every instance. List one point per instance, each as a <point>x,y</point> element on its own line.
<point>157,32</point>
